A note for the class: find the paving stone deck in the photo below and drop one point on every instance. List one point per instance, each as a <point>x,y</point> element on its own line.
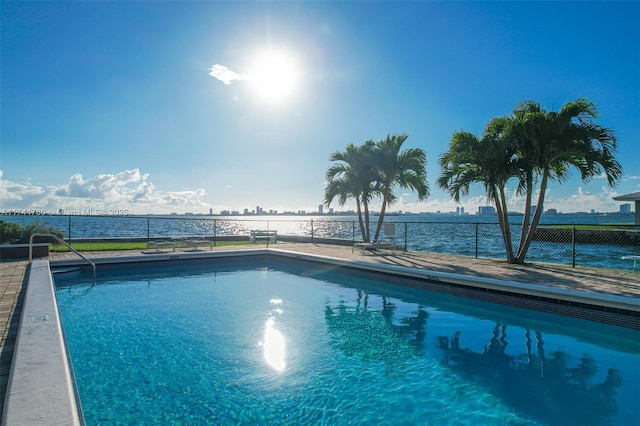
<point>12,282</point>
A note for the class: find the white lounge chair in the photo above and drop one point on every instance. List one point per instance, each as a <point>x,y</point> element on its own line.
<point>636,264</point>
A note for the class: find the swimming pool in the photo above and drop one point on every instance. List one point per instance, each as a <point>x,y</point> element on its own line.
<point>270,342</point>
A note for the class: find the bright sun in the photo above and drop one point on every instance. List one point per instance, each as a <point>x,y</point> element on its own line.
<point>274,76</point>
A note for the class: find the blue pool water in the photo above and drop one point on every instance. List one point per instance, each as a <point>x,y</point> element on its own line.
<point>280,344</point>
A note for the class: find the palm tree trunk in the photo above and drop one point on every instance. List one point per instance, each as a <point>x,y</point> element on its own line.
<point>360,220</point>
<point>382,212</point>
<point>503,220</point>
<point>522,251</point>
<point>367,238</point>
<point>527,211</point>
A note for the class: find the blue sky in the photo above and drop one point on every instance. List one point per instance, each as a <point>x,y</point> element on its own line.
<point>111,105</point>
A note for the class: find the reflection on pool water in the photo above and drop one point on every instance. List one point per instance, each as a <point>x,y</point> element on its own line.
<point>274,343</point>
<point>286,345</point>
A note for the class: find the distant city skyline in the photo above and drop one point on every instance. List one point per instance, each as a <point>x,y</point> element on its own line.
<point>624,209</point>
<point>160,107</point>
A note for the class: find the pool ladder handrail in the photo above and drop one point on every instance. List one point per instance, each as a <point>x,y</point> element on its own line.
<point>60,240</point>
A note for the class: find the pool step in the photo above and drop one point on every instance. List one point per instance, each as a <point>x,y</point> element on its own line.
<point>66,273</point>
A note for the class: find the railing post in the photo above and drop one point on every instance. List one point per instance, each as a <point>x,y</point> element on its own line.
<point>353,231</point>
<point>476,240</point>
<point>69,239</point>
<point>311,230</point>
<point>215,232</point>
<point>148,233</point>
<point>405,236</point>
<point>573,246</point>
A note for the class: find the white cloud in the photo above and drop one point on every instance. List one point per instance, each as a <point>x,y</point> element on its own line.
<point>225,75</point>
<point>128,190</point>
<point>13,192</point>
<point>103,186</point>
<point>583,200</point>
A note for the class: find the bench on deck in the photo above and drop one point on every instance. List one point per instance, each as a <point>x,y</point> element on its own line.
<point>159,244</point>
<point>636,265</point>
<point>194,243</point>
<point>270,236</point>
<point>376,246</point>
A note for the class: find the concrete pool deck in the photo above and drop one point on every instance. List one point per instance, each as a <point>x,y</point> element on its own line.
<point>597,281</point>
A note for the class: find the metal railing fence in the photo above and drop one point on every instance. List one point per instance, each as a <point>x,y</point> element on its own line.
<point>576,245</point>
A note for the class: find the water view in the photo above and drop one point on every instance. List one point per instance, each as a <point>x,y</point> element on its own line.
<point>475,235</point>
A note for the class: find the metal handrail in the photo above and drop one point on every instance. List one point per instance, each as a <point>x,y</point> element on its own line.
<point>60,240</point>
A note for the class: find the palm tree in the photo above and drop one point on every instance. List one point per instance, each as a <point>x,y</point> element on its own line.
<point>553,143</point>
<point>526,118</point>
<point>406,169</point>
<point>491,161</point>
<point>353,176</point>
<point>531,146</point>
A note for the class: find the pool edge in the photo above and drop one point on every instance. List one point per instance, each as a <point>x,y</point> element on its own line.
<point>478,282</point>
<point>40,389</point>
<point>577,296</point>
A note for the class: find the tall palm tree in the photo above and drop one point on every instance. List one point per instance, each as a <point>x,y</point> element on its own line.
<point>353,177</point>
<point>491,161</point>
<point>527,118</point>
<point>554,143</point>
<point>406,169</point>
<point>533,146</point>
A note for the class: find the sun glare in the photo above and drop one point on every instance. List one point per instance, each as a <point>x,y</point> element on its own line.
<point>274,346</point>
<point>275,76</point>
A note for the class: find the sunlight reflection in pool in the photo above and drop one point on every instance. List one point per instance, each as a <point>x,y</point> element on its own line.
<point>273,343</point>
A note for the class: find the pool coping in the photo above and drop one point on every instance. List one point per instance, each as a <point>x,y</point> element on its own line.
<point>41,388</point>
<point>484,283</point>
<point>569,295</point>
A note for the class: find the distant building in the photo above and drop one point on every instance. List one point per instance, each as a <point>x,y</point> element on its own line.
<point>635,197</point>
<point>211,211</point>
<point>462,210</point>
<point>551,211</point>
<point>625,208</point>
<point>320,209</point>
<point>485,210</point>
